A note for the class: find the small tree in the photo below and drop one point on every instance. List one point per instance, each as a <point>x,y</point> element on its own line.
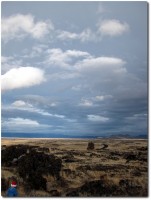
<point>90,146</point>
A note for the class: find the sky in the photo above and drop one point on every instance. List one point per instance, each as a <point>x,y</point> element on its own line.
<point>74,68</point>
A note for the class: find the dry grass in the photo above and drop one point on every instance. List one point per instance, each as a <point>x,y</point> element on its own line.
<point>87,163</point>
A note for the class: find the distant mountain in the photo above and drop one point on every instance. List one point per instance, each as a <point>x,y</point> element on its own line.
<point>142,136</point>
<point>120,136</point>
<point>127,136</point>
<point>51,135</point>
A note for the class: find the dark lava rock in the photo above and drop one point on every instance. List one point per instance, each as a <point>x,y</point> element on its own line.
<point>43,149</point>
<point>55,193</point>
<point>73,194</point>
<point>92,189</point>
<point>12,152</point>
<point>90,146</point>
<point>70,160</point>
<point>105,146</point>
<point>130,156</point>
<point>36,181</point>
<point>32,165</point>
<point>115,153</point>
<point>4,184</point>
<point>100,188</point>
<point>40,163</point>
<point>68,156</point>
<point>130,189</point>
<point>136,172</point>
<point>134,157</point>
<point>142,148</point>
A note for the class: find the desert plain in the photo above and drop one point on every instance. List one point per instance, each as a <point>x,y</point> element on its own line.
<point>69,168</point>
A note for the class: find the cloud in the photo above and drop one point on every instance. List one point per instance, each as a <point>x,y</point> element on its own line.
<point>64,59</point>
<point>9,62</point>
<point>5,59</point>
<point>20,103</point>
<point>63,75</point>
<point>137,117</point>
<point>89,70</point>
<point>36,51</point>
<point>23,125</point>
<point>106,65</point>
<point>101,61</point>
<point>112,27</point>
<point>38,100</point>
<point>18,26</point>
<point>92,101</point>
<point>86,35</point>
<point>103,97</point>
<point>24,106</point>
<point>77,87</point>
<point>79,61</point>
<point>39,30</point>
<point>20,122</point>
<point>107,27</point>
<point>97,118</point>
<point>66,35</point>
<point>95,72</point>
<point>21,110</point>
<point>86,103</point>
<point>21,77</point>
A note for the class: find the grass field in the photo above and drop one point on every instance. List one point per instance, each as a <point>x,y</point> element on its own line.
<point>122,167</point>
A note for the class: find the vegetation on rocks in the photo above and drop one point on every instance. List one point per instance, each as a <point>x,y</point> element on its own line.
<point>109,168</point>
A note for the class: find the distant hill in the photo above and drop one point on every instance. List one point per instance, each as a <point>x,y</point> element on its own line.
<point>126,136</point>
<point>51,135</point>
<point>142,136</point>
<point>120,136</point>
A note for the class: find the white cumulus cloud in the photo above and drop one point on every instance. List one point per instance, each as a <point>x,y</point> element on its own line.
<point>20,125</point>
<point>20,103</point>
<point>21,77</point>
<point>66,35</point>
<point>102,64</point>
<point>112,27</point>
<point>18,26</point>
<point>97,118</point>
<point>64,58</point>
<point>20,121</point>
<point>84,36</point>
